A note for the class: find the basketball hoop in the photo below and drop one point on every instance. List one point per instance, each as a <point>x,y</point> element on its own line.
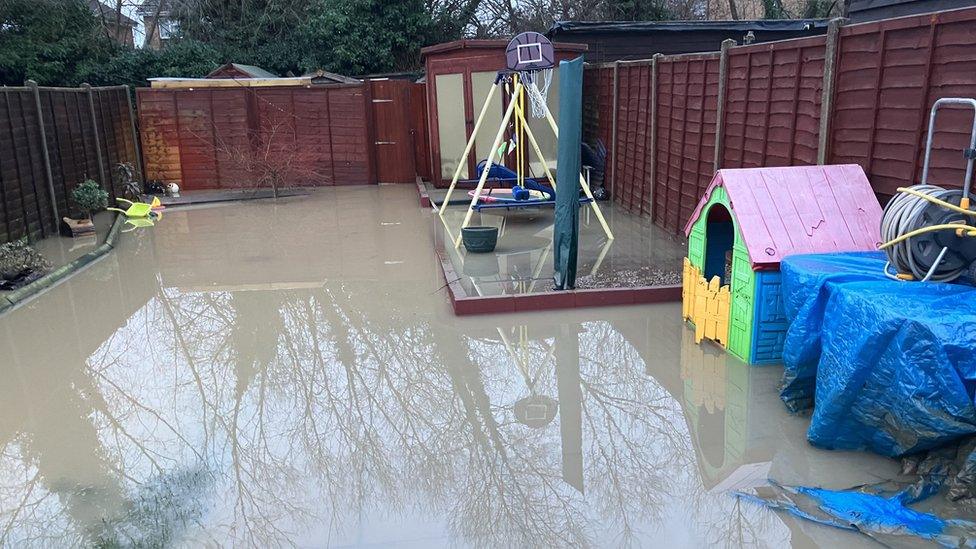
<point>532,56</point>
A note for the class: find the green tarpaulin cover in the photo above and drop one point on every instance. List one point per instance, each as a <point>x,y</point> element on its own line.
<point>565,235</point>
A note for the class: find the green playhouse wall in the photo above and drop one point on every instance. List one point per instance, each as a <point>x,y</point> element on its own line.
<point>743,278</point>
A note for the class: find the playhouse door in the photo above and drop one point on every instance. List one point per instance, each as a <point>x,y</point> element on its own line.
<point>743,292</point>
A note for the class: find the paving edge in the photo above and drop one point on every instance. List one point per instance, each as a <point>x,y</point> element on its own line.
<point>28,292</point>
<point>464,305</point>
<point>422,193</point>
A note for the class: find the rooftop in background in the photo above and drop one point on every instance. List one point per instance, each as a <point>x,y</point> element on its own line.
<point>412,76</point>
<point>622,40</point>
<point>860,11</point>
<point>325,77</point>
<point>110,14</point>
<point>116,25</point>
<point>486,44</point>
<point>237,70</point>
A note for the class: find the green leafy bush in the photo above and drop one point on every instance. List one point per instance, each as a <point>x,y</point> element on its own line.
<point>90,197</point>
<point>19,263</point>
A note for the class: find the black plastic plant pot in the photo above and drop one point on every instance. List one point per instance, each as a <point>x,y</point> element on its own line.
<point>479,240</point>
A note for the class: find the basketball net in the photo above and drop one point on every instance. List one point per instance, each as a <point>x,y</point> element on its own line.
<point>538,93</point>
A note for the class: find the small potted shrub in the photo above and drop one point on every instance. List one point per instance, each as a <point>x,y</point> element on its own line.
<point>89,197</point>
<point>20,264</point>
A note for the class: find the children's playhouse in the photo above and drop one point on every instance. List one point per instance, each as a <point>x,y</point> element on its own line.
<point>746,222</point>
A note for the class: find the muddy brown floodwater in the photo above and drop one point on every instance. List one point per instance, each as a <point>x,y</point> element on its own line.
<point>290,373</point>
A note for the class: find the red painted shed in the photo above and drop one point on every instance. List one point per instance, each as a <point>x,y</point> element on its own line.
<point>459,75</point>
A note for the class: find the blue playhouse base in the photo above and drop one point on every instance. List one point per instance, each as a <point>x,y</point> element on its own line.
<point>770,319</point>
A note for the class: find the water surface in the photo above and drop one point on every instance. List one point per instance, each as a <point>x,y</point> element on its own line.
<point>290,373</point>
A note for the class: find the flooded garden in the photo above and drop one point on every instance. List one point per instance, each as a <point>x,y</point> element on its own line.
<point>290,373</point>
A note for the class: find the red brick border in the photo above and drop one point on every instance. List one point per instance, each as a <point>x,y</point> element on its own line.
<point>422,192</point>
<point>464,304</point>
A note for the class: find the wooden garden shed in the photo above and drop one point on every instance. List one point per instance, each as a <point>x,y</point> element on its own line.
<point>459,75</point>
<point>750,219</point>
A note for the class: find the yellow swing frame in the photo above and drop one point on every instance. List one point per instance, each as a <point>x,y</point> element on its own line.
<point>515,107</point>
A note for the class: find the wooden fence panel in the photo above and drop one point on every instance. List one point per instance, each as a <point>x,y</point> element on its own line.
<point>687,97</point>
<point>115,133</point>
<point>772,107</point>
<point>350,142</point>
<point>231,138</point>
<point>48,146</point>
<point>159,133</point>
<point>632,162</point>
<point>67,142</point>
<point>598,112</point>
<point>888,75</point>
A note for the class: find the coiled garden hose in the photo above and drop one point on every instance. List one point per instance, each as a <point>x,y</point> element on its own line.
<point>903,219</point>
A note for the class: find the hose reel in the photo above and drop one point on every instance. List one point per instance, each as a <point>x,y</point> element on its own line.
<point>930,231</point>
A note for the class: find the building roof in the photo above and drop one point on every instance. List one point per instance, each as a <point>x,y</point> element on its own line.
<point>331,76</point>
<point>861,11</point>
<point>190,83</point>
<point>250,70</point>
<point>562,27</point>
<point>488,44</point>
<point>110,14</point>
<point>799,210</point>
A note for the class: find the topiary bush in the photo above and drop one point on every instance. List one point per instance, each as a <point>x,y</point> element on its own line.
<point>90,197</point>
<point>20,264</point>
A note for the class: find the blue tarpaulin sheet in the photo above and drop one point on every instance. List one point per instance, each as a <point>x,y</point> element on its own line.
<point>870,511</point>
<point>887,365</point>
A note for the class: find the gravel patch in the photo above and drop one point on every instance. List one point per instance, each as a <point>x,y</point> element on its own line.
<point>630,278</point>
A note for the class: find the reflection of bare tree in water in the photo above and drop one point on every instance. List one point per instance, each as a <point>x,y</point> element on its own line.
<point>76,490</point>
<point>295,407</point>
<point>635,428</point>
<point>740,524</point>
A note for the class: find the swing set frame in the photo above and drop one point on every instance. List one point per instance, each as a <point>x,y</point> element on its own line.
<point>515,87</point>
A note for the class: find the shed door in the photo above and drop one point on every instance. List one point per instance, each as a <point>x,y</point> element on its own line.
<point>395,160</point>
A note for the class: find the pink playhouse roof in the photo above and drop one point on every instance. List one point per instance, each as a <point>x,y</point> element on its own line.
<point>799,210</point>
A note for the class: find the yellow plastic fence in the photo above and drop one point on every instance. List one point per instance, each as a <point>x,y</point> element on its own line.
<point>705,304</point>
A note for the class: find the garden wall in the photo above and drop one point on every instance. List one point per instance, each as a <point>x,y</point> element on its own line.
<point>859,95</point>
<point>52,139</point>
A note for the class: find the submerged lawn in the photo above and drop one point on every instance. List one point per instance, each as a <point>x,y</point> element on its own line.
<point>277,373</point>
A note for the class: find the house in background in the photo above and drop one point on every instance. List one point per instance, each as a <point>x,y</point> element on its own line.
<point>117,26</point>
<point>237,70</point>
<point>158,23</point>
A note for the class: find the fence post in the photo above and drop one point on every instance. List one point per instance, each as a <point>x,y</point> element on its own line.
<point>98,141</point>
<point>44,152</point>
<point>723,90</point>
<point>137,147</point>
<point>613,130</point>
<point>654,61</point>
<point>371,164</point>
<point>827,90</point>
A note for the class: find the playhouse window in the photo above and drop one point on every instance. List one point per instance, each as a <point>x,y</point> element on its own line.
<point>719,238</point>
